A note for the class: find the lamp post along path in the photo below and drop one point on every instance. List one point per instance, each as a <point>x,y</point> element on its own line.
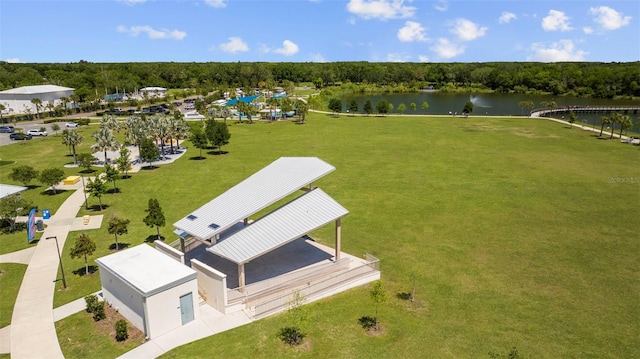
<point>64,281</point>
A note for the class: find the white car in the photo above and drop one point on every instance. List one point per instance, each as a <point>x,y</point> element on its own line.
<point>71,125</point>
<point>36,133</point>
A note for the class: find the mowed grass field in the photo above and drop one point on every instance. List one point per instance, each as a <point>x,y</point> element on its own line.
<point>523,233</point>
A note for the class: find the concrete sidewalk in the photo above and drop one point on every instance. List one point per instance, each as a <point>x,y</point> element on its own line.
<point>22,256</point>
<point>33,333</point>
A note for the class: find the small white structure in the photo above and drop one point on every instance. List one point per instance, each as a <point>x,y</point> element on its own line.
<point>193,115</point>
<point>153,91</point>
<point>18,100</point>
<point>153,291</point>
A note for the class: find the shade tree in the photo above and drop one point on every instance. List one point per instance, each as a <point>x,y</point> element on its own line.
<point>23,174</point>
<point>84,246</point>
<point>51,177</point>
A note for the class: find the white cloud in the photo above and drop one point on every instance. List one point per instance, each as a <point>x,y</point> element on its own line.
<point>288,48</point>
<point>395,57</point>
<point>132,2</point>
<point>317,57</point>
<point>446,49</point>
<point>506,17</point>
<point>441,5</point>
<point>218,4</point>
<point>234,45</point>
<point>412,31</point>
<point>466,30</point>
<point>587,30</point>
<point>153,33</point>
<point>380,9</point>
<point>423,58</point>
<point>556,20</point>
<point>608,18</point>
<point>563,50</point>
<point>13,60</point>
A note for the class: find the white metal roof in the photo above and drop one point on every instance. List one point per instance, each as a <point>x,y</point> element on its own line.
<point>146,269</point>
<point>30,90</point>
<point>265,187</point>
<point>8,189</point>
<point>304,214</point>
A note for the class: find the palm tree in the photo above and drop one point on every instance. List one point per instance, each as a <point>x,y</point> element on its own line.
<point>614,118</point>
<point>105,141</point>
<point>135,131</point>
<point>158,128</point>
<point>110,122</point>
<point>604,120</point>
<point>72,138</point>
<point>38,103</point>
<point>302,107</point>
<point>2,108</point>
<point>625,122</point>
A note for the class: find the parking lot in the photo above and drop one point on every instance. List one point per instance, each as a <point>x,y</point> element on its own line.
<point>26,126</point>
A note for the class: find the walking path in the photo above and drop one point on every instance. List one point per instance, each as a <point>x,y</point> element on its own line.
<point>22,256</point>
<point>33,333</point>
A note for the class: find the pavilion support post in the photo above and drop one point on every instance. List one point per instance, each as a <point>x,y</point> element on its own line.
<point>338,238</point>
<point>246,221</point>
<point>182,244</point>
<point>241,276</point>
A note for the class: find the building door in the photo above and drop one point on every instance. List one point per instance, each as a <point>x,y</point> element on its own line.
<point>186,308</point>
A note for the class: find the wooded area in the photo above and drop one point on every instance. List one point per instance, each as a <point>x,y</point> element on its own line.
<point>92,80</point>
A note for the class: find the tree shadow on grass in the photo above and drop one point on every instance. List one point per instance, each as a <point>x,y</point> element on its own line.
<point>148,168</point>
<point>33,186</point>
<point>217,153</point>
<point>404,296</point>
<point>197,158</point>
<point>96,207</point>
<point>152,238</point>
<point>50,192</point>
<point>87,171</point>
<point>81,271</point>
<point>113,190</point>
<point>121,246</point>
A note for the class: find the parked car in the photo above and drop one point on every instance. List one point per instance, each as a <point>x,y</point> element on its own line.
<point>7,129</point>
<point>20,136</point>
<point>37,133</point>
<point>71,125</point>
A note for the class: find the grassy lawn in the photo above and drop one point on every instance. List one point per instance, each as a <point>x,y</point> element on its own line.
<point>522,233</point>
<point>10,279</point>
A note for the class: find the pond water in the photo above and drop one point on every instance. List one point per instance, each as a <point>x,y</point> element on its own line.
<point>492,104</point>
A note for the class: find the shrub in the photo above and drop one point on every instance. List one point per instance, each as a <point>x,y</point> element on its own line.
<point>121,330</point>
<point>92,301</point>
<point>367,322</point>
<point>291,335</point>
<point>83,121</point>
<point>98,312</point>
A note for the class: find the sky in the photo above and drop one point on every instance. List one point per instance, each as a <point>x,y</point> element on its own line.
<point>64,31</point>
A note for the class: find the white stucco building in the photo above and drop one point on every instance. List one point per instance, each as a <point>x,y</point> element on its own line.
<point>153,92</point>
<point>18,100</point>
<point>155,292</point>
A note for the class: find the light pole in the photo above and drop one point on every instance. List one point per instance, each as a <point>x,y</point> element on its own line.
<point>64,282</point>
<point>84,191</point>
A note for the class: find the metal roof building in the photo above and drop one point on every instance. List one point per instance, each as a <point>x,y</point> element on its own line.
<point>18,100</point>
<point>289,222</point>
<point>7,190</point>
<point>279,179</point>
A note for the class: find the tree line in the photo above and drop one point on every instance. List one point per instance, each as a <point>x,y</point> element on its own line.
<point>93,80</point>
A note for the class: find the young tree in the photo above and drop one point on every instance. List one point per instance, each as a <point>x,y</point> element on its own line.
<point>413,106</point>
<point>390,106</point>
<point>148,150</point>
<point>217,133</point>
<point>38,103</point>
<point>382,107</point>
<point>368,107</point>
<point>572,118</point>
<point>72,139</point>
<point>425,105</point>
<point>97,187</point>
<point>23,174</point>
<point>55,127</point>
<point>117,227</point>
<point>468,107</point>
<point>335,105</point>
<point>83,247</point>
<point>199,139</point>
<point>11,207</point>
<point>124,162</point>
<point>402,108</point>
<point>86,160</point>
<point>111,175</point>
<point>379,296</point>
<point>353,106</point>
<point>155,216</point>
<point>51,177</point>
<point>302,108</point>
<point>526,105</point>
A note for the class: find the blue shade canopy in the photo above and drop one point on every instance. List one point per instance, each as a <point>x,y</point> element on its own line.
<point>245,99</point>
